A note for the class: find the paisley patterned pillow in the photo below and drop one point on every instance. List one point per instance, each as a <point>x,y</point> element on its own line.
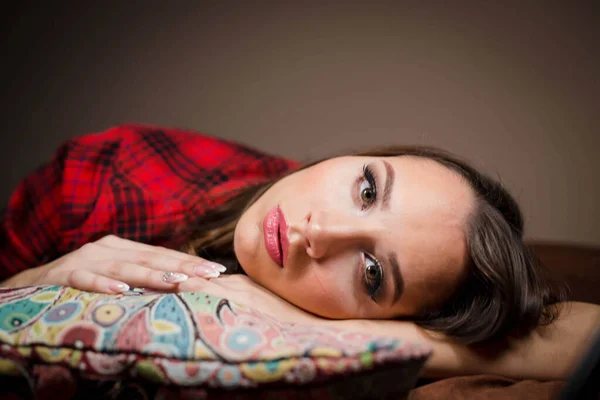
<point>186,343</point>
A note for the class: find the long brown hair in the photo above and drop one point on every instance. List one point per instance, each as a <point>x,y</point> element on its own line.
<point>506,292</point>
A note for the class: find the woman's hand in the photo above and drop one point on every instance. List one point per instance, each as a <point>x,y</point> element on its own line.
<point>243,290</point>
<point>113,265</point>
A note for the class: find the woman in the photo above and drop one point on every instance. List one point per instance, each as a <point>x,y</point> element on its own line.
<point>410,233</point>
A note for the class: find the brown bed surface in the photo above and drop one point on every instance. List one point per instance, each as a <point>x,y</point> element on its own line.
<point>488,387</point>
<point>579,267</point>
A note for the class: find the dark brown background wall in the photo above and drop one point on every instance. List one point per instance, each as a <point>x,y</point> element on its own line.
<point>514,88</point>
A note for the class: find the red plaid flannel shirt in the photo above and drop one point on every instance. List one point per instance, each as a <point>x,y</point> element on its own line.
<point>139,182</point>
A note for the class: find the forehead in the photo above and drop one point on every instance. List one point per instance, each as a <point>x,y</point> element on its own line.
<point>435,185</point>
<point>428,186</point>
<point>429,208</point>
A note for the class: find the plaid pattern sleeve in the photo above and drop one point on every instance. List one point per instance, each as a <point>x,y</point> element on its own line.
<point>139,182</point>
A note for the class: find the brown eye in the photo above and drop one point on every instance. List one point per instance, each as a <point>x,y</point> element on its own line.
<point>367,195</point>
<point>372,272</point>
<point>373,276</point>
<point>368,188</point>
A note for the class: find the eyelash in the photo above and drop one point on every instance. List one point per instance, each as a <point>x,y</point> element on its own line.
<point>372,289</point>
<point>368,176</point>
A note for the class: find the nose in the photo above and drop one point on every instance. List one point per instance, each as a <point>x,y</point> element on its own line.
<point>329,232</point>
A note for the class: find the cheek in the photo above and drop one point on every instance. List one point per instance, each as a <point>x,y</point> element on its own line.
<point>329,189</point>
<point>322,291</point>
<point>324,295</point>
<point>246,244</point>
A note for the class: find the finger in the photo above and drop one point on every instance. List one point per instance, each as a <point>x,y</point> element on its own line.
<point>166,263</point>
<point>140,276</point>
<point>88,281</point>
<point>150,251</point>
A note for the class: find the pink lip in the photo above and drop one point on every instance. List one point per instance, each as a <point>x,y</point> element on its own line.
<point>275,235</point>
<point>283,236</point>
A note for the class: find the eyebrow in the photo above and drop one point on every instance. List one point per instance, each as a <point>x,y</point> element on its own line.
<point>389,184</point>
<point>398,281</point>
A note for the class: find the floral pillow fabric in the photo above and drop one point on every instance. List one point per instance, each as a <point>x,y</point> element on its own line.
<point>157,345</point>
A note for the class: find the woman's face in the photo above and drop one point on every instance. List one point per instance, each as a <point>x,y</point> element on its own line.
<point>359,237</point>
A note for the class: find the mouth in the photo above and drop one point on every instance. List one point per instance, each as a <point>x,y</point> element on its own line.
<point>275,235</point>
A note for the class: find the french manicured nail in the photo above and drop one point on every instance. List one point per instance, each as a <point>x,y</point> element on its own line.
<point>119,287</point>
<point>217,267</point>
<point>175,277</point>
<point>206,271</point>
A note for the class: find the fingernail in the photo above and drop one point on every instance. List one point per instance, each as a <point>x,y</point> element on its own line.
<point>175,277</point>
<point>217,267</point>
<point>206,271</point>
<point>119,287</point>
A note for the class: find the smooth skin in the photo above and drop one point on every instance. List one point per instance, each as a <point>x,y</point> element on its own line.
<point>403,222</point>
